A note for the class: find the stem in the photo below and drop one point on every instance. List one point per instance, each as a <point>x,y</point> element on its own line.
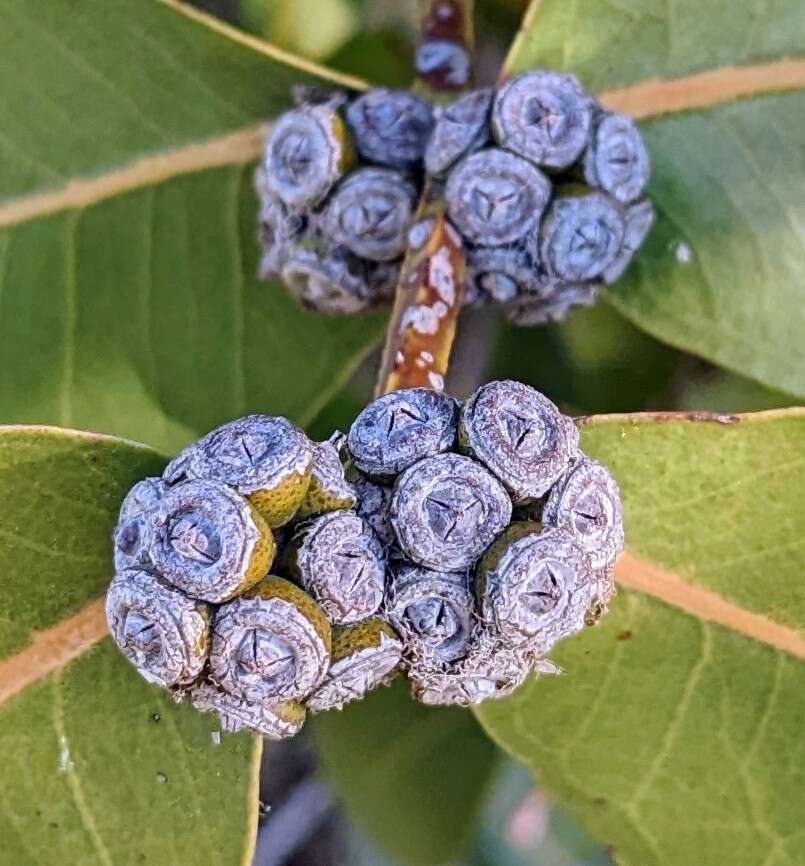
<point>430,290</point>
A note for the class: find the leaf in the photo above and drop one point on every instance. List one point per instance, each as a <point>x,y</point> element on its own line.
<point>676,732</point>
<point>128,297</point>
<point>98,767</point>
<point>720,88</point>
<point>414,778</point>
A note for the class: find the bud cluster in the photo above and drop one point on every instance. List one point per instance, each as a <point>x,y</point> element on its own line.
<point>543,185</point>
<point>264,575</point>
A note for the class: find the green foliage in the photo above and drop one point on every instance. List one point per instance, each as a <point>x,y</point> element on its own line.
<point>721,273</point>
<point>663,714</point>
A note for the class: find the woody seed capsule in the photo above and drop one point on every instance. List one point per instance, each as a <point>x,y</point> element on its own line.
<point>267,459</point>
<point>271,644</point>
<point>365,655</point>
<point>307,151</point>
<point>534,587</point>
<point>502,273</point>
<point>341,563</point>
<point>131,532</point>
<point>208,541</point>
<point>329,489</point>
<point>396,430</point>
<point>434,613</point>
<point>586,504</point>
<point>446,510</point>
<point>519,435</point>
<point>276,721</point>
<point>495,198</point>
<point>617,160</point>
<point>543,116</point>
<point>370,212</point>
<point>552,304</point>
<point>330,281</point>
<point>162,632</point>
<point>639,220</point>
<point>374,506</point>
<point>460,129</point>
<point>390,127</point>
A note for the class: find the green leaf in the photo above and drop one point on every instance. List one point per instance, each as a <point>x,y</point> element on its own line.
<point>413,778</point>
<point>98,767</point>
<point>128,296</point>
<point>674,734</point>
<point>721,274</point>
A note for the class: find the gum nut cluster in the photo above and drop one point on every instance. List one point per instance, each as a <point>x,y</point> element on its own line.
<point>264,576</point>
<point>543,185</point>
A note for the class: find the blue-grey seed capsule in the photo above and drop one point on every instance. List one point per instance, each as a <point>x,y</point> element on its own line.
<point>446,510</point>
<point>208,541</point>
<point>332,282</point>
<point>502,273</point>
<point>552,304</point>
<point>161,631</point>
<point>434,614</point>
<point>131,532</point>
<point>278,228</point>
<point>519,435</point>
<point>306,152</point>
<point>536,588</point>
<point>617,160</point>
<point>545,117</point>
<point>495,198</point>
<point>586,504</point>
<point>639,220</point>
<point>370,213</point>
<point>276,721</point>
<point>374,506</point>
<point>339,560</point>
<point>460,129</point>
<point>581,236</point>
<point>390,127</point>
<point>397,430</point>
<point>444,61</point>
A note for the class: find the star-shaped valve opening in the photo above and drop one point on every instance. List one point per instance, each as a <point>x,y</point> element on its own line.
<point>549,118</point>
<point>434,619</point>
<point>524,432</point>
<point>143,637</point>
<point>592,512</point>
<point>194,537</point>
<point>264,656</point>
<point>543,589</point>
<point>453,512</point>
<point>296,156</point>
<point>496,201</point>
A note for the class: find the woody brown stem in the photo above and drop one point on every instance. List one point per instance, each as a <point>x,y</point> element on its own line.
<point>430,290</point>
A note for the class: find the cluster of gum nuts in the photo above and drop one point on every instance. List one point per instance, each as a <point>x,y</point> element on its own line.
<point>265,575</point>
<point>542,186</point>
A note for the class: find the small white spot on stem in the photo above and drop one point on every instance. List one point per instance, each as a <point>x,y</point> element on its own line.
<point>441,276</point>
<point>436,381</point>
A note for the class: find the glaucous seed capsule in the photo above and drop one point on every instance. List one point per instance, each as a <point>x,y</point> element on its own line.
<point>276,721</point>
<point>329,489</point>
<point>617,160</point>
<point>495,198</point>
<point>162,632</point>
<point>397,430</point>
<point>528,310</point>
<point>446,510</point>
<point>267,459</point>
<point>370,213</point>
<point>390,127</point>
<point>586,504</point>
<point>374,506</point>
<point>277,228</point>
<point>639,220</point>
<point>545,117</point>
<point>131,532</point>
<point>460,128</point>
<point>502,273</point>
<point>534,587</point>
<point>489,670</point>
<point>209,541</point>
<point>581,236</point>
<point>341,563</point>
<point>519,435</point>
<point>331,282</point>
<point>444,62</point>
<point>308,149</point>
<point>270,644</point>
<point>365,655</point>
<point>434,613</point>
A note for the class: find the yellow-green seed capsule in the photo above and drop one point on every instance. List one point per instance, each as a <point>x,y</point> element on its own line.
<point>271,644</point>
<point>329,489</point>
<point>365,655</point>
<point>209,541</point>
<point>276,721</point>
<point>267,459</point>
